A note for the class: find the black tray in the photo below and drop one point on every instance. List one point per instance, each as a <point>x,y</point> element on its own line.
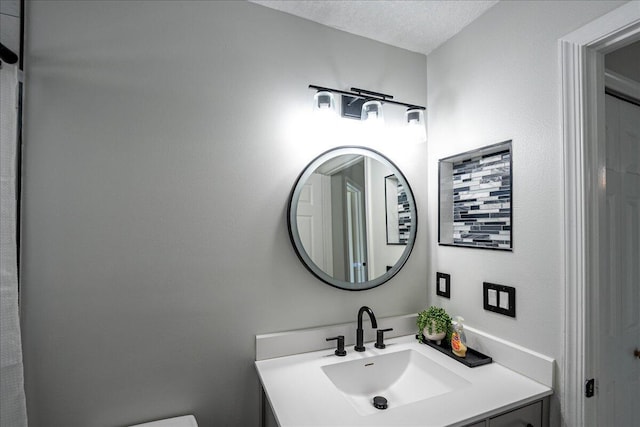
<point>474,358</point>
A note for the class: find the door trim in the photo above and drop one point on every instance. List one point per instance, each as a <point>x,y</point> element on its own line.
<point>582,67</point>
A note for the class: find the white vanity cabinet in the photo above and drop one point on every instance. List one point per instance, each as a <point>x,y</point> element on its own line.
<point>535,414</point>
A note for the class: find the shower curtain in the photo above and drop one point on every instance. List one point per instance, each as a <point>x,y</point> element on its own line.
<point>12,397</point>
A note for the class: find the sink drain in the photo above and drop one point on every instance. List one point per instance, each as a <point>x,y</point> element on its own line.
<point>380,402</point>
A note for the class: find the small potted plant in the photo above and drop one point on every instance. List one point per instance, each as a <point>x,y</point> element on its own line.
<point>434,324</point>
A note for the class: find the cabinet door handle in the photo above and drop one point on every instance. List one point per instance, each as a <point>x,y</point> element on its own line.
<point>636,353</point>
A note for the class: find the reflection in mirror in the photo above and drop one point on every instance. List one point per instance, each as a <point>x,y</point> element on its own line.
<point>398,212</point>
<point>352,218</point>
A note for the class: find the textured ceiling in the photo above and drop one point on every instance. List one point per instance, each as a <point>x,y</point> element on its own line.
<point>416,25</point>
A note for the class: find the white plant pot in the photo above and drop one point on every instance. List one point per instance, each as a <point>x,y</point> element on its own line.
<point>437,337</point>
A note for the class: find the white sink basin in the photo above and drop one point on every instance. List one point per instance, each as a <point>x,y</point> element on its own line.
<point>401,377</point>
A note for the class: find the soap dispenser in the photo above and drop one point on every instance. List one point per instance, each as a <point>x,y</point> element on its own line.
<point>458,339</point>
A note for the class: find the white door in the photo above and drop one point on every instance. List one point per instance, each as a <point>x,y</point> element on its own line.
<point>314,221</point>
<point>619,369</point>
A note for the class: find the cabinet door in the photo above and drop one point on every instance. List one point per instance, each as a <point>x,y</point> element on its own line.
<point>528,416</point>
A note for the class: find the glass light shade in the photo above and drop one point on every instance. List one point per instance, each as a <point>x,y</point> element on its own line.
<point>372,111</point>
<point>324,101</point>
<point>416,131</point>
<point>414,116</point>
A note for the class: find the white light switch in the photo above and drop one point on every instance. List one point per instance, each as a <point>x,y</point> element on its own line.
<point>493,297</point>
<point>504,300</point>
<point>442,284</point>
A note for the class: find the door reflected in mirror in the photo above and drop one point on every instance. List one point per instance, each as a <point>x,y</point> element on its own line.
<point>352,218</point>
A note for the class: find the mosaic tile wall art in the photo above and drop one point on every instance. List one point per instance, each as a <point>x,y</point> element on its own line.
<point>476,197</point>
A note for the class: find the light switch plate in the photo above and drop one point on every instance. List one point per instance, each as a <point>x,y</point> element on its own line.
<point>499,299</point>
<point>443,285</point>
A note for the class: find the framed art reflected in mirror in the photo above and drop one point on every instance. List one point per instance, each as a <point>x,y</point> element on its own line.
<point>398,213</point>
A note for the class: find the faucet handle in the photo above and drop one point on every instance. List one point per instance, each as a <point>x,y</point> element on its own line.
<point>380,337</point>
<point>340,351</point>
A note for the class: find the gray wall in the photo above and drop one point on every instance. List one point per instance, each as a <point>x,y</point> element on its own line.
<point>496,80</point>
<point>162,140</point>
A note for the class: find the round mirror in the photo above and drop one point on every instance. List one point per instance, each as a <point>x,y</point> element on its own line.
<point>352,218</point>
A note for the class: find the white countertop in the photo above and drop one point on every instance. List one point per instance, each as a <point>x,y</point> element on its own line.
<point>301,394</point>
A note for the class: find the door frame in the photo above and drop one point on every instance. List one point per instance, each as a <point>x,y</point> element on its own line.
<point>582,67</point>
<point>356,224</point>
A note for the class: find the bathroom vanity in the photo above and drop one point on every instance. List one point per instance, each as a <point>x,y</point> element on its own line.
<point>421,385</point>
<point>304,382</point>
<point>352,221</point>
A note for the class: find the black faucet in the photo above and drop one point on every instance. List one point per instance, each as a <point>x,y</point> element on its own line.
<point>340,351</point>
<point>380,337</point>
<point>359,332</point>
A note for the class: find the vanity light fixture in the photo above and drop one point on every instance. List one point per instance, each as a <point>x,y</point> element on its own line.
<point>7,55</point>
<point>366,105</point>
<point>372,112</point>
<point>414,116</point>
<point>324,101</point>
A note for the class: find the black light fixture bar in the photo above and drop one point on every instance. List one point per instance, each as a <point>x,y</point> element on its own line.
<point>367,95</point>
<point>370,93</point>
<point>7,55</point>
